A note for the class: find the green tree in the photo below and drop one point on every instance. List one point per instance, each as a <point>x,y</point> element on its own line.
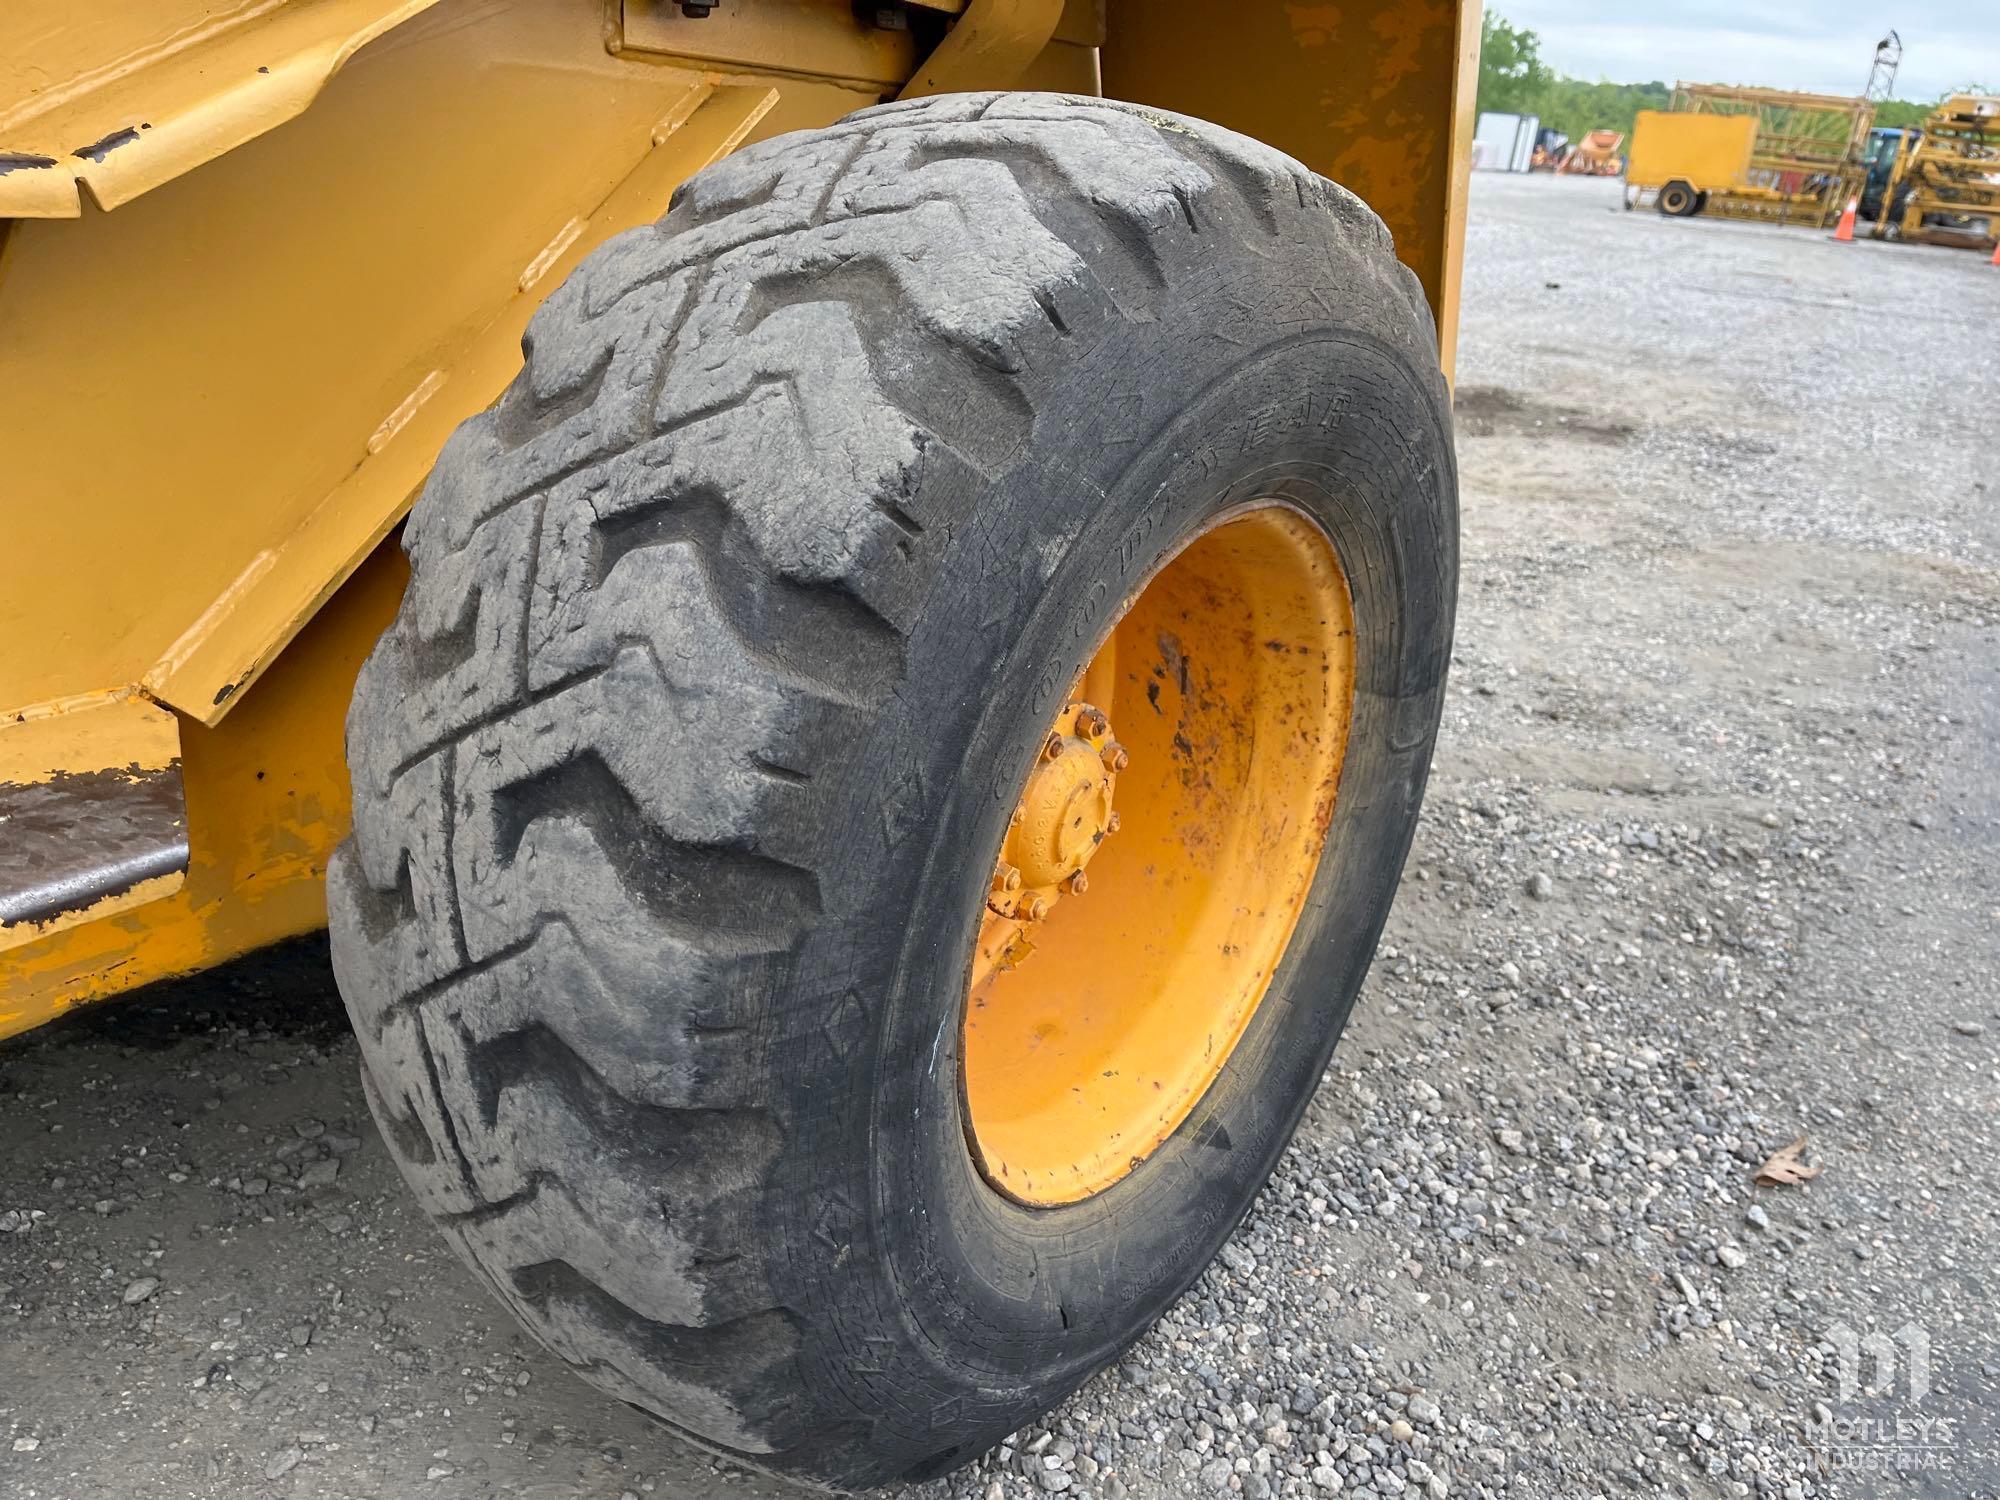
<point>1514,79</point>
<point>1511,70</point>
<point>1904,113</point>
<point>1900,113</point>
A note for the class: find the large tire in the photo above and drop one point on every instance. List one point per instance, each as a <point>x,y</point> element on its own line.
<point>679,777</point>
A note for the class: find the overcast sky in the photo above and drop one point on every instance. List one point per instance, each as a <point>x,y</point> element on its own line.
<point>1823,46</point>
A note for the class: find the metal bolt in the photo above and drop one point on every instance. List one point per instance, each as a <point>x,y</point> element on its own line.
<point>1078,883</point>
<point>1034,908</point>
<point>1115,758</point>
<point>1091,723</point>
<point>1006,878</point>
<point>1054,748</point>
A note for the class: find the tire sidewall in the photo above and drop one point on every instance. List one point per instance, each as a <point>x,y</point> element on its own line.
<point>989,1308</point>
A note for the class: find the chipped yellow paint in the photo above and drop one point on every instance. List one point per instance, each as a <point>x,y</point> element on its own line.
<point>189,456</point>
<point>88,732</point>
<point>118,99</point>
<point>141,893</point>
<point>119,732</point>
<point>267,800</point>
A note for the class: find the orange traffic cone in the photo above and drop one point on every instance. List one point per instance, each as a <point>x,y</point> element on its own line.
<point>1996,252</point>
<point>1846,230</point>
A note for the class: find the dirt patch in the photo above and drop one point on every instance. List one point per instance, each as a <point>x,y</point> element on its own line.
<point>1494,411</point>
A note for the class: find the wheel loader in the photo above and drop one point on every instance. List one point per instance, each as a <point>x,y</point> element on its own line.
<point>841,608</point>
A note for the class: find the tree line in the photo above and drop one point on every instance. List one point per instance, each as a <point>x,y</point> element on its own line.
<point>1514,78</point>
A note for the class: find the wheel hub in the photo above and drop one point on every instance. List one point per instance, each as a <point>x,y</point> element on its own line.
<point>1064,814</point>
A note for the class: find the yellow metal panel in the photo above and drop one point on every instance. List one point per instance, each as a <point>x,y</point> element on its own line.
<point>993,43</point>
<point>267,799</point>
<point>117,99</point>
<point>223,393</point>
<point>1376,95</point>
<point>1707,151</point>
<point>237,636</point>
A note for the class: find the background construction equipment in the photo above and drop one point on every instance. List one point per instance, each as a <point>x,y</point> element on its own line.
<point>1771,155</point>
<point>1747,153</point>
<point>1940,183</point>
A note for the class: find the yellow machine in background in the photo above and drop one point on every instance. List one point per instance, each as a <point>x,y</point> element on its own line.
<point>257,261</point>
<point>1944,184</point>
<point>1746,153</point>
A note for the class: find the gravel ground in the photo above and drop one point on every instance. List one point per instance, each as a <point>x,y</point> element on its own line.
<point>1711,862</point>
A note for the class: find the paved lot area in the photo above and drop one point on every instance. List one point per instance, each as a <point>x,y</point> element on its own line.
<point>1711,863</point>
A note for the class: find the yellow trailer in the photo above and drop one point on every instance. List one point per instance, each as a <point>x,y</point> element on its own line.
<point>1678,157</point>
<point>681,529</point>
<point>1748,153</point>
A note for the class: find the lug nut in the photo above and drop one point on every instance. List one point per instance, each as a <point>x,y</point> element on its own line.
<point>1091,723</point>
<point>1054,748</point>
<point>1078,884</point>
<point>1006,878</point>
<point>1115,758</point>
<point>1034,908</point>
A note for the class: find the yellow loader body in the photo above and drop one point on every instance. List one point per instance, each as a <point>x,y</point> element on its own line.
<point>258,259</point>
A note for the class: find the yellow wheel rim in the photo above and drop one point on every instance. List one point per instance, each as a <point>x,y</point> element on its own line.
<point>1156,864</point>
